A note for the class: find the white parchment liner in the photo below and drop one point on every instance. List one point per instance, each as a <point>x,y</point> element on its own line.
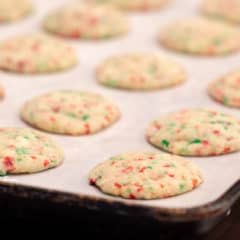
<point>138,108</point>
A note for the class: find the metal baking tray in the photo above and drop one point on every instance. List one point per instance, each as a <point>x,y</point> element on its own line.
<point>69,182</point>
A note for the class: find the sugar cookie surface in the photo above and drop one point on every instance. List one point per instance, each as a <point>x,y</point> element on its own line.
<point>23,150</point>
<point>140,71</point>
<point>133,4</point>
<point>70,112</point>
<point>222,9</point>
<point>87,22</point>
<point>196,132</point>
<point>35,53</point>
<point>226,89</point>
<point>200,36</point>
<point>143,175</point>
<point>11,10</point>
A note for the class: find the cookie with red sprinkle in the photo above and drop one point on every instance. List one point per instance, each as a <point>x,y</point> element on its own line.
<point>146,175</point>
<point>200,36</point>
<point>70,112</point>
<point>196,132</point>
<point>228,10</point>
<point>226,89</point>
<point>140,71</point>
<point>87,21</point>
<point>36,53</point>
<point>23,150</point>
<point>12,10</point>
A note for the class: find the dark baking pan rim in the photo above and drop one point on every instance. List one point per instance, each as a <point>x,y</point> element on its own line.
<point>204,212</point>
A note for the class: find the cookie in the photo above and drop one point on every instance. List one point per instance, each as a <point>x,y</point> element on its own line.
<point>23,150</point>
<point>226,90</point>
<point>12,10</point>
<point>196,132</point>
<point>1,92</point>
<point>36,53</point>
<point>144,175</point>
<point>83,21</point>
<point>140,71</point>
<point>201,37</point>
<point>70,112</point>
<point>139,5</point>
<point>228,10</point>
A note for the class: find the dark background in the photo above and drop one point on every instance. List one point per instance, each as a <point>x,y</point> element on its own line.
<point>44,216</point>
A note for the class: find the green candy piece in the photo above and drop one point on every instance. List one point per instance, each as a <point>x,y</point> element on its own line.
<point>195,141</point>
<point>21,151</point>
<point>181,187</point>
<point>42,66</point>
<point>152,69</point>
<point>128,190</point>
<point>85,117</point>
<point>111,83</point>
<point>183,151</point>
<point>165,143</point>
<point>225,100</point>
<point>217,41</point>
<point>71,114</point>
<point>2,174</point>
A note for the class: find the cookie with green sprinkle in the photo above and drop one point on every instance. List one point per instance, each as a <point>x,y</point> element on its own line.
<point>35,53</point>
<point>23,150</point>
<point>226,89</point>
<point>200,36</point>
<point>12,10</point>
<point>145,175</point>
<point>83,21</point>
<point>135,5</point>
<point>196,132</point>
<point>228,10</point>
<point>70,112</point>
<point>140,71</point>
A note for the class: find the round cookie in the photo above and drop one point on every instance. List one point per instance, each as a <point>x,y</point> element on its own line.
<point>201,37</point>
<point>70,112</point>
<point>11,10</point>
<point>1,92</point>
<point>23,150</point>
<point>87,22</point>
<point>142,5</point>
<point>196,132</point>
<point>226,90</point>
<point>144,175</point>
<point>222,9</point>
<point>139,71</point>
<point>36,54</point>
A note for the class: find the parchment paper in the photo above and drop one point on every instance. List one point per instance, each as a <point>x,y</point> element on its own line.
<point>138,108</point>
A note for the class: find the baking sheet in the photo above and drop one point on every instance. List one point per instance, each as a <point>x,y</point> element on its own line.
<point>138,108</point>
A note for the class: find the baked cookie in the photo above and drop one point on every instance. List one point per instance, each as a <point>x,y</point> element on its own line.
<point>144,175</point>
<point>140,71</point>
<point>226,90</point>
<point>23,150</point>
<point>222,9</point>
<point>70,112</point>
<point>11,10</point>
<point>36,54</point>
<point>1,92</point>
<point>142,5</point>
<point>200,36</point>
<point>196,132</point>
<point>87,22</point>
